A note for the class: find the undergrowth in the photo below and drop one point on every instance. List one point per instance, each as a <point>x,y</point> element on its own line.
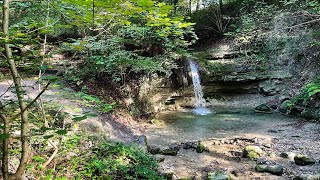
<point>85,157</point>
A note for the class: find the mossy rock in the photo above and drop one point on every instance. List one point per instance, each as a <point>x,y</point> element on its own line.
<point>263,108</point>
<point>303,160</point>
<point>200,148</point>
<point>252,152</point>
<point>153,150</point>
<point>169,152</point>
<point>285,106</point>
<point>310,113</point>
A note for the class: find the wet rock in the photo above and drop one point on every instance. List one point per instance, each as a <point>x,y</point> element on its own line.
<point>307,177</point>
<point>200,148</point>
<point>218,175</point>
<point>153,150</point>
<point>263,108</point>
<point>252,152</point>
<point>304,160</point>
<point>272,169</point>
<point>289,155</point>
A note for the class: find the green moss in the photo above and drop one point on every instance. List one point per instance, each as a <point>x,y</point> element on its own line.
<point>200,148</point>
<point>252,152</point>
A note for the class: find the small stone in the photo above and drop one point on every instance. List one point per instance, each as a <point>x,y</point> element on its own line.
<point>174,146</point>
<point>262,161</point>
<point>218,175</point>
<point>272,169</point>
<point>235,173</point>
<point>252,152</point>
<point>142,140</point>
<point>289,155</point>
<point>236,153</point>
<point>304,160</point>
<point>187,145</point>
<point>273,130</point>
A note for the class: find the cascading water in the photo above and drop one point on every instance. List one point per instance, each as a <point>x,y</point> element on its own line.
<point>200,103</point>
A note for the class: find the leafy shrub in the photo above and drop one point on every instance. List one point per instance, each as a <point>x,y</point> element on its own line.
<point>102,160</point>
<point>308,93</point>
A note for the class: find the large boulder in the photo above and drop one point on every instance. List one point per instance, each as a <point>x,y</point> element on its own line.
<point>252,152</point>
<point>303,160</point>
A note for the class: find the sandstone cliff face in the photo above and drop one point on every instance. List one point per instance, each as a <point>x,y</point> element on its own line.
<point>231,74</point>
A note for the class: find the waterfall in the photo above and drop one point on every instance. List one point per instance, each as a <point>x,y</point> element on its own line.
<point>200,103</point>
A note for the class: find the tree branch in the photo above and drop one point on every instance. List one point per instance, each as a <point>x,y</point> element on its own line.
<point>34,100</point>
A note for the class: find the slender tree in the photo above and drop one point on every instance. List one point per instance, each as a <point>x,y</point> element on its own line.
<point>22,105</point>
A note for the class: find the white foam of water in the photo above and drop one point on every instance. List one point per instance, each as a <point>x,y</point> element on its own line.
<point>200,103</point>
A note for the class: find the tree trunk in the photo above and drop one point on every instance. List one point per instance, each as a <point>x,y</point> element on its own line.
<point>19,91</point>
<point>190,7</point>
<point>220,6</point>
<point>6,122</point>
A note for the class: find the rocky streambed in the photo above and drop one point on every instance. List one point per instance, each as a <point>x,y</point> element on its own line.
<point>234,144</point>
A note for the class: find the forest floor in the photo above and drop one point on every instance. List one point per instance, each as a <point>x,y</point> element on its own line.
<point>223,153</point>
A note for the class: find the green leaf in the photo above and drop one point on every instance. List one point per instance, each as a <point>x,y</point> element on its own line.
<point>62,132</point>
<point>48,136</point>
<point>4,136</point>
<point>79,118</point>
<point>39,159</point>
<point>91,115</point>
<point>44,67</point>
<point>50,78</point>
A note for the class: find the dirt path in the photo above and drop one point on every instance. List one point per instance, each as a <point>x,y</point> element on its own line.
<point>63,98</point>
